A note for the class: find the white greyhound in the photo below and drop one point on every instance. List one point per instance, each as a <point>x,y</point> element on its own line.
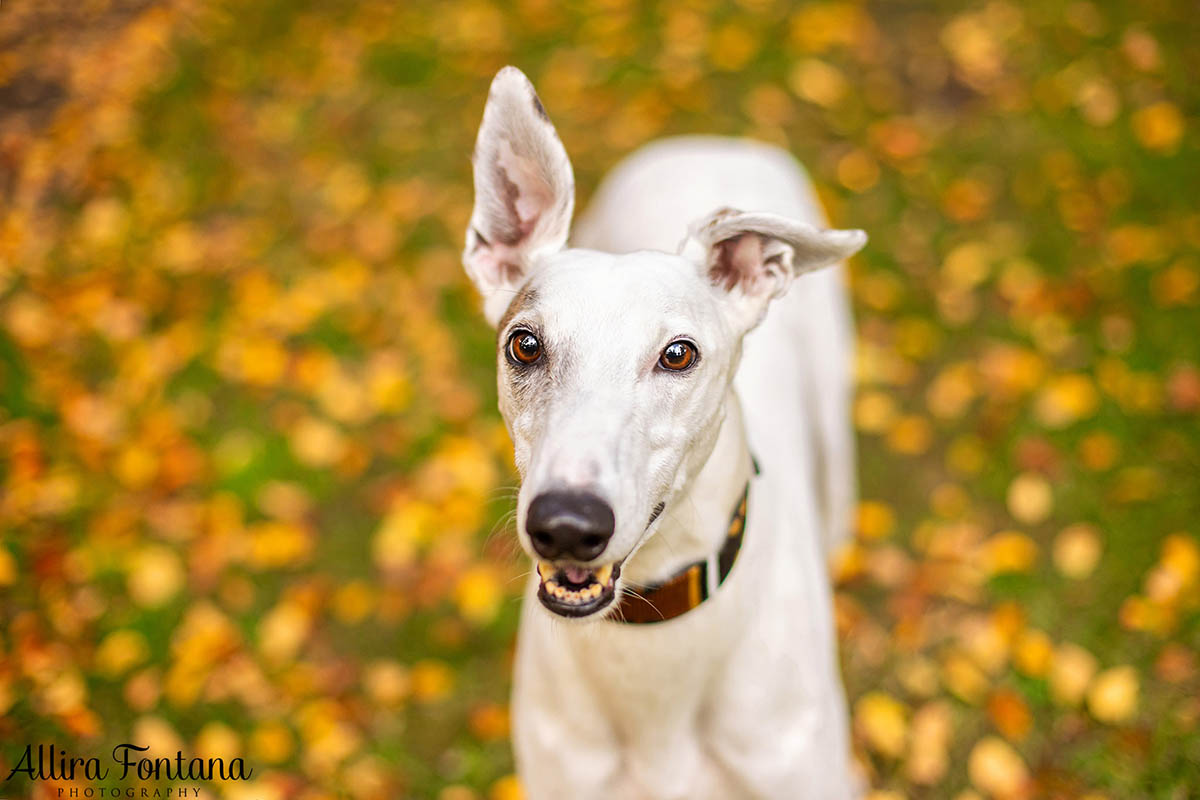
<point>680,490</point>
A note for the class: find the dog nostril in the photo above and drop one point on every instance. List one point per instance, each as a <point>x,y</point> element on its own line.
<point>574,524</point>
<point>594,541</point>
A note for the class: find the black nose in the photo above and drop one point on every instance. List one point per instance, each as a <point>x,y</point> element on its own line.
<point>569,524</point>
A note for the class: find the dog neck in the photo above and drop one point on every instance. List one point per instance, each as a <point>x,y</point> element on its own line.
<point>695,522</point>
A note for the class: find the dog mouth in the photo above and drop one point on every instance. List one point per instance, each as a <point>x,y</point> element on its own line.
<point>570,590</point>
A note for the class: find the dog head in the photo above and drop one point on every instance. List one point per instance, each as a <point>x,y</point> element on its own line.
<point>612,369</point>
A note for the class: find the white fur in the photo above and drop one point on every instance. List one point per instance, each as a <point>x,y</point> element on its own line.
<point>740,697</point>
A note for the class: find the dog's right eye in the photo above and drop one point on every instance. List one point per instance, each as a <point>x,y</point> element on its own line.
<point>523,347</point>
<point>677,356</point>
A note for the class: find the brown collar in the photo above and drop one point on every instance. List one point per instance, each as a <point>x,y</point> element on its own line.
<point>692,585</point>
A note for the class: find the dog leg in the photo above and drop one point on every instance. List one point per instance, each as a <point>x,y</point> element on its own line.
<point>556,714</point>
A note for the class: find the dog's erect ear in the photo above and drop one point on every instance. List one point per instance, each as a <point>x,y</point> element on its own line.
<point>524,191</point>
<point>754,256</point>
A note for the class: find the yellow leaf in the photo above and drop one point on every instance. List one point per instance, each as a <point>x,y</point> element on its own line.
<point>1176,285</point>
<point>732,47</point>
<point>1159,126</point>
<point>1099,451</point>
<point>910,435</point>
<point>1030,499</point>
<point>818,82</point>
<point>857,171</point>
<point>1065,400</point>
<point>478,594</point>
<point>1077,550</point>
<point>997,769</point>
<point>317,443</point>
<point>1034,653</point>
<point>951,392</point>
<point>104,221</point>
<point>1113,696</point>
<point>507,788</point>
<point>282,631</point>
<point>880,290</point>
<point>346,188</point>
<point>1181,557</point>
<point>984,641</point>
<point>1010,370</point>
<point>65,693</point>
<point>1070,674</point>
<point>7,695</point>
<point>157,734</point>
<point>8,567</point>
<point>816,27</point>
<point>120,651</point>
<point>386,682</point>
<point>882,721</point>
<point>1009,551</point>
<point>963,678</point>
<point>874,411</point>
<point>353,601</point>
<point>271,742</point>
<point>136,466</point>
<point>918,675</point>
<point>369,777</point>
<point>155,575</point>
<point>876,520</point>
<point>402,531</point>
<point>432,680</point>
<point>967,265</point>
<point>260,360</point>
<point>256,789</point>
<point>967,199</point>
<point>928,758</point>
<point>278,544</point>
<point>218,740</point>
<point>966,454</point>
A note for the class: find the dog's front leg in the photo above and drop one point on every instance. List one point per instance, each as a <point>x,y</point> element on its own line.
<point>564,743</point>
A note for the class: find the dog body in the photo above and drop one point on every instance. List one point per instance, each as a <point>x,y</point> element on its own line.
<point>739,697</point>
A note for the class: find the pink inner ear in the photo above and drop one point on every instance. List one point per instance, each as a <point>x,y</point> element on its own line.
<point>533,194</point>
<point>737,260</point>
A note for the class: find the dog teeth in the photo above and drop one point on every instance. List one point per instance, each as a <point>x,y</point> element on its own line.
<point>572,596</point>
<point>603,574</point>
<point>545,570</point>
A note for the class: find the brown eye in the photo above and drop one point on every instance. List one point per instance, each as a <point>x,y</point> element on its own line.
<point>524,347</point>
<point>677,356</point>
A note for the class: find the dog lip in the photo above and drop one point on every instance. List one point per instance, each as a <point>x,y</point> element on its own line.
<point>548,573</point>
<point>573,610</point>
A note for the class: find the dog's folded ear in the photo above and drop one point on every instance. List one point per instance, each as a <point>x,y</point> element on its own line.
<point>753,256</point>
<point>524,191</point>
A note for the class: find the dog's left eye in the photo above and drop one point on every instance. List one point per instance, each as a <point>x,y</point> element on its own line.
<point>524,347</point>
<point>677,356</point>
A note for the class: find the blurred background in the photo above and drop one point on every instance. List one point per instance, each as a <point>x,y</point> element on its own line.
<point>255,492</point>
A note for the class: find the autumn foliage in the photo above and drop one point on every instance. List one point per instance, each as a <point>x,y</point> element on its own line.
<point>254,492</point>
